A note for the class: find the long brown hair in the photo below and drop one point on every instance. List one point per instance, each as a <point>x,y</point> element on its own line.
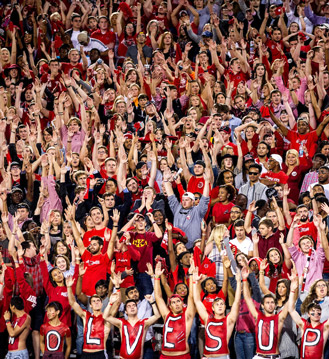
<point>311,295</point>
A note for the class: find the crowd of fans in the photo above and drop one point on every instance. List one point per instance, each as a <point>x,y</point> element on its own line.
<point>164,185</point>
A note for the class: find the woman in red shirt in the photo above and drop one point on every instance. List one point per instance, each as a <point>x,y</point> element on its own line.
<point>296,172</point>
<point>221,210</point>
<point>56,290</point>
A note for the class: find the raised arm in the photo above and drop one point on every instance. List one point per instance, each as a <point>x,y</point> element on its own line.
<point>246,293</point>
<point>163,309</point>
<point>73,303</point>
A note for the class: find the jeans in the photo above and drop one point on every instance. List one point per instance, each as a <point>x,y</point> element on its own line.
<point>193,339</point>
<point>244,345</point>
<point>144,285</point>
<point>80,328</point>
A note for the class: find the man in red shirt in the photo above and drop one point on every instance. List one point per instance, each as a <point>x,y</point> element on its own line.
<point>95,261</point>
<point>302,137</point>
<point>275,44</point>
<point>103,34</point>
<point>74,57</point>
<point>54,334</point>
<point>274,174</point>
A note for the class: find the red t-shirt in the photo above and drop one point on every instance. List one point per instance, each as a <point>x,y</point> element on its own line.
<point>106,39</point>
<point>279,177</point>
<point>96,266</point>
<point>221,212</point>
<point>196,184</point>
<point>308,140</point>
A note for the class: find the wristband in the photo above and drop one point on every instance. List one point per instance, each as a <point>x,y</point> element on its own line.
<point>7,321</point>
<point>194,282</point>
<point>16,262</point>
<point>153,303</point>
<point>1,283</point>
<point>261,272</point>
<point>115,226</point>
<point>153,223</point>
<point>157,278</point>
<point>111,304</point>
<point>117,288</point>
<point>69,141</point>
<point>244,280</point>
<point>292,291</point>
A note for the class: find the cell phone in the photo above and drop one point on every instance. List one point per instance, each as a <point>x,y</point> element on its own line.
<point>99,61</point>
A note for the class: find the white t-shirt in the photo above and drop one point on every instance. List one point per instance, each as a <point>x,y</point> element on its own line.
<point>245,247</point>
<point>74,39</point>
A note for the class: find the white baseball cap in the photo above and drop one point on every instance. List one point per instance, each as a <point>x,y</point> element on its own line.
<point>189,195</point>
<point>277,158</point>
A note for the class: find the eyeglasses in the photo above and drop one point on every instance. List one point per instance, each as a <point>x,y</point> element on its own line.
<point>236,212</point>
<point>253,173</point>
<point>320,285</point>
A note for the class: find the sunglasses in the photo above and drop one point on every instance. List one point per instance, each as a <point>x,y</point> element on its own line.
<point>253,173</point>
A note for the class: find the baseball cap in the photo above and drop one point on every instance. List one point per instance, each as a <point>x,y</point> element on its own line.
<point>15,164</point>
<point>83,37</point>
<point>277,158</point>
<point>303,119</point>
<point>201,163</point>
<point>225,129</point>
<point>248,157</point>
<point>190,195</point>
<point>206,34</point>
<point>183,12</point>
<point>140,165</point>
<point>23,205</point>
<point>16,189</point>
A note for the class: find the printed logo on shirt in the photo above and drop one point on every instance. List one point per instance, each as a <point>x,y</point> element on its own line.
<point>91,263</point>
<point>294,173</point>
<point>140,242</point>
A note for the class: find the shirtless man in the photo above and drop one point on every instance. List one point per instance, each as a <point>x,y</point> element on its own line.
<point>96,330</point>
<point>132,329</point>
<point>218,326</point>
<point>177,321</point>
<point>54,334</point>
<point>18,329</point>
<point>314,333</point>
<point>268,324</point>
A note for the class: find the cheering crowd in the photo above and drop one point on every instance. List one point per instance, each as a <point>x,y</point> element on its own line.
<point>164,179</point>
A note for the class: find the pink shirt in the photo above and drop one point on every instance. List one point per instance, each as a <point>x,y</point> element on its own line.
<point>53,201</point>
<point>77,139</point>
<point>315,268</point>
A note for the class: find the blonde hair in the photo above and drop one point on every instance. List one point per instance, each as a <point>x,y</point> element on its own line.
<point>292,152</point>
<point>217,235</point>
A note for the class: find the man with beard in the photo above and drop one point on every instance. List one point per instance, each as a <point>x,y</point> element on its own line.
<point>302,137</point>
<point>323,179</point>
<point>263,149</point>
<point>268,325</point>
<point>95,261</point>
<point>305,226</point>
<point>274,174</point>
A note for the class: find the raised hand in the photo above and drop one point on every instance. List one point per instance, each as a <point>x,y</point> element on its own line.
<point>158,271</point>
<point>149,298</point>
<point>149,270</point>
<point>69,281</point>
<point>263,264</point>
<point>82,269</point>
<point>252,206</point>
